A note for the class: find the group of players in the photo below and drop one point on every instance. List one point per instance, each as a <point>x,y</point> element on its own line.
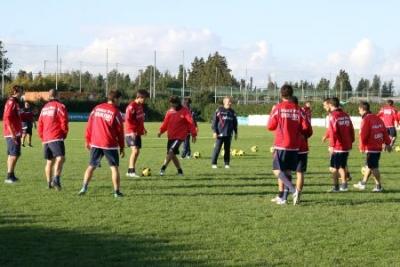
<point>107,132</point>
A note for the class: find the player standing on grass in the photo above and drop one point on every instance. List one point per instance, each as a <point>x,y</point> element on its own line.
<point>224,124</point>
<point>341,137</point>
<point>134,129</point>
<point>388,114</point>
<point>288,122</point>
<point>104,137</point>
<point>186,151</point>
<point>373,136</point>
<point>53,130</point>
<point>12,130</point>
<point>178,122</point>
<point>28,121</point>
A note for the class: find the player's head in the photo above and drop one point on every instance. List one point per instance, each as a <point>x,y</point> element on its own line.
<point>390,102</point>
<point>363,108</point>
<point>227,102</point>
<point>187,101</point>
<point>141,96</point>
<point>27,105</point>
<point>286,91</point>
<point>17,91</point>
<point>114,97</point>
<point>325,104</point>
<point>53,94</point>
<point>307,104</point>
<point>333,103</point>
<point>294,99</point>
<point>175,102</point>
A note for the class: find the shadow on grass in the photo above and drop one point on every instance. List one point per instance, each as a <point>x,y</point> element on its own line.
<point>349,202</point>
<point>197,194</point>
<point>212,186</point>
<point>24,244</point>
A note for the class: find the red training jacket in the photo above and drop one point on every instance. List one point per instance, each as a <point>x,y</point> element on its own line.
<point>303,149</point>
<point>53,122</point>
<point>134,119</point>
<point>307,111</point>
<point>12,124</point>
<point>373,134</point>
<point>389,116</point>
<point>178,123</point>
<point>105,127</point>
<point>288,122</point>
<point>340,131</point>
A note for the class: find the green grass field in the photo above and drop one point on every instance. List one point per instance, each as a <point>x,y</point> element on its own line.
<point>206,218</point>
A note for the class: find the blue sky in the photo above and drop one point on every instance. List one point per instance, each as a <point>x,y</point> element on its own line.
<point>315,37</point>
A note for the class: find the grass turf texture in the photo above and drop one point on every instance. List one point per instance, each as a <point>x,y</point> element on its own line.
<point>205,218</point>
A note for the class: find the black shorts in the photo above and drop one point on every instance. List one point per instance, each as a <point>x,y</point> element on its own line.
<point>135,141</point>
<point>339,160</point>
<point>302,159</point>
<point>96,154</point>
<point>14,146</point>
<point>54,149</point>
<point>285,160</point>
<point>392,131</point>
<point>372,160</point>
<point>27,128</point>
<point>173,145</point>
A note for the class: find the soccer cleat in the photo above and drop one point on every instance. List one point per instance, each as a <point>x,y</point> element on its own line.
<point>132,175</point>
<point>188,157</point>
<point>359,186</point>
<point>334,190</point>
<point>275,199</point>
<point>56,185</point>
<point>162,172</point>
<point>82,192</point>
<point>343,188</point>
<point>10,180</point>
<point>377,189</point>
<point>118,194</point>
<point>214,166</point>
<point>180,173</point>
<point>281,201</point>
<point>296,198</point>
<point>227,167</point>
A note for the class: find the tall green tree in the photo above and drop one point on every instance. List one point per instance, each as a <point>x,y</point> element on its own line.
<point>375,86</point>
<point>362,87</point>
<point>342,85</point>
<point>3,58</point>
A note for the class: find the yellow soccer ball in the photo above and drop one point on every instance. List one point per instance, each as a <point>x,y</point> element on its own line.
<point>146,172</point>
<point>271,149</point>
<point>254,148</point>
<point>397,148</point>
<point>234,152</point>
<point>240,153</point>
<point>196,155</point>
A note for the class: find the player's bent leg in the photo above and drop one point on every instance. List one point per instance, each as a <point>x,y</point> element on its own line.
<point>58,166</point>
<point>86,179</point>
<point>135,152</point>
<point>48,172</point>
<point>377,177</point>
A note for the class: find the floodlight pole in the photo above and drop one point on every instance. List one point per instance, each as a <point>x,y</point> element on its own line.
<point>106,72</point>
<point>183,74</point>
<point>80,76</point>
<point>44,67</point>
<point>215,85</point>
<point>3,68</point>
<point>57,68</point>
<point>154,76</point>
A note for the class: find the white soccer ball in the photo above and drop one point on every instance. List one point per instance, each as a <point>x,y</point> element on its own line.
<point>196,155</point>
<point>254,148</point>
<point>271,149</point>
<point>397,148</point>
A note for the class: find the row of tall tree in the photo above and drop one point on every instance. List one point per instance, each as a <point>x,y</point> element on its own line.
<point>204,73</point>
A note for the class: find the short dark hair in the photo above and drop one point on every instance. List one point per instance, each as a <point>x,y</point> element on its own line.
<point>390,102</point>
<point>334,101</point>
<point>326,100</point>
<point>17,88</point>
<point>286,91</point>
<point>294,99</point>
<point>187,100</point>
<point>364,105</point>
<point>53,93</point>
<point>113,95</point>
<point>175,101</point>
<point>142,93</point>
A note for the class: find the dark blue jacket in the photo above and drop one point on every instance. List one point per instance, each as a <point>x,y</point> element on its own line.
<point>224,122</point>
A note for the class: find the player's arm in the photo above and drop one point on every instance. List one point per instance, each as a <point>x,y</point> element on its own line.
<point>40,126</point>
<point>273,120</point>
<point>7,117</point>
<point>214,124</point>
<point>235,125</point>
<point>119,125</point>
<point>64,120</point>
<point>164,125</point>
<point>88,132</point>
<point>365,131</point>
<point>192,125</point>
